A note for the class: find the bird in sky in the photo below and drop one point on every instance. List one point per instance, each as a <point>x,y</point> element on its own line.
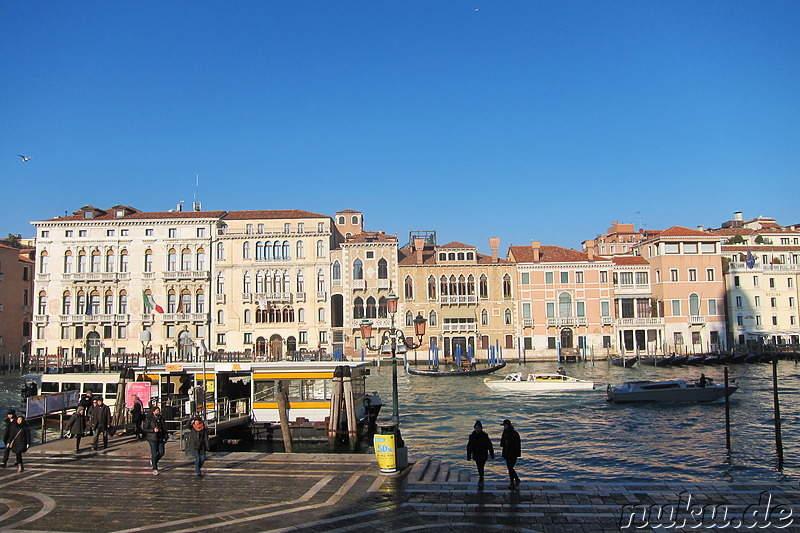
<point>24,158</point>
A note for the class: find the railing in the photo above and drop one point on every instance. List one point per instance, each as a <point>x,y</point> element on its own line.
<point>697,320</point>
<point>622,288</point>
<point>606,320</point>
<point>568,321</point>
<point>648,321</point>
<point>384,283</point>
<point>39,277</point>
<point>527,322</point>
<point>97,276</point>
<point>321,296</point>
<point>359,284</point>
<point>377,323</point>
<point>220,298</point>
<point>458,299</point>
<point>273,297</point>
<point>300,297</point>
<point>459,328</point>
<point>186,274</point>
<point>185,317</point>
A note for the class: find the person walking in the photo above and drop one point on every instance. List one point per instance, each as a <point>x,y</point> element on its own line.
<point>197,443</point>
<point>137,414</point>
<point>101,422</point>
<point>20,440</point>
<point>479,448</point>
<point>7,423</point>
<point>77,426</point>
<point>156,437</point>
<point>512,449</point>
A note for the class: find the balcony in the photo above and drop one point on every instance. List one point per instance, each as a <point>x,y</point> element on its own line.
<point>527,322</point>
<point>606,320</point>
<point>220,298</point>
<point>568,321</point>
<point>41,278</point>
<point>742,267</point>
<point>322,296</point>
<point>186,275</point>
<point>384,284</point>
<point>696,320</point>
<point>40,319</point>
<point>185,317</point>
<point>458,299</point>
<point>649,321</point>
<point>629,288</point>
<point>247,297</point>
<point>299,297</point>
<point>273,297</point>
<point>377,323</point>
<point>360,284</point>
<point>460,328</point>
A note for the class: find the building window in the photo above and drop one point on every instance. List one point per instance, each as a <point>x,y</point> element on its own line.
<point>525,278</point>
<point>757,301</point>
<point>408,288</point>
<point>320,249</point>
<point>484,317</point>
<point>642,279</point>
<point>692,274</point>
<point>605,308</point>
<point>550,309</point>
<point>739,301</point>
<point>299,250</point>
<point>246,250</point>
<point>565,305</point>
<point>709,274</point>
<point>736,281</point>
<point>755,281</point>
<point>507,317</point>
<point>564,277</point>
<point>548,278</point>
<point>358,269</point>
<point>603,276</point>
<point>383,269</point>
<point>579,277</point>
<point>172,233</point>
<point>484,286</point>
<point>673,274</point>
<point>506,286</point>
<point>712,307</point>
<point>773,302</point>
<point>676,308</point>
<point>221,339</point>
<point>220,251</point>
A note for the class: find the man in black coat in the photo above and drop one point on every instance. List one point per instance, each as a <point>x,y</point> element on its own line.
<point>101,422</point>
<point>479,448</point>
<point>156,433</point>
<point>10,417</point>
<point>512,449</point>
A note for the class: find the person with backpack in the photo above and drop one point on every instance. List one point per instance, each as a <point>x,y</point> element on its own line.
<point>156,433</point>
<point>77,426</point>
<point>197,443</point>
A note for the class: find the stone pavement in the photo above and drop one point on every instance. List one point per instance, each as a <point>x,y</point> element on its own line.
<point>114,490</point>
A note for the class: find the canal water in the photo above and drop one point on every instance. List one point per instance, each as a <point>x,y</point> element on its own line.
<point>579,437</point>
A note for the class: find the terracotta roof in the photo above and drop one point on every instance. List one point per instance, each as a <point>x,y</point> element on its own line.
<point>272,214</point>
<point>347,211</point>
<point>629,260</point>
<point>732,231</point>
<point>551,254</point>
<point>407,256</point>
<point>680,231</point>
<point>455,244</point>
<point>139,215</point>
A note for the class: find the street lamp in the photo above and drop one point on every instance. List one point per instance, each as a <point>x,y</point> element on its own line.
<point>389,338</point>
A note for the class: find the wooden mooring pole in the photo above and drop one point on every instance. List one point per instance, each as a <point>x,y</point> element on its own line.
<point>778,436</point>
<point>283,413</point>
<point>727,413</point>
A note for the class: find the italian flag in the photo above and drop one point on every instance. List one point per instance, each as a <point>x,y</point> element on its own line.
<point>150,304</point>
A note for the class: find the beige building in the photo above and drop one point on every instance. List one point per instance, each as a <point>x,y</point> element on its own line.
<point>271,283</point>
<point>565,300</point>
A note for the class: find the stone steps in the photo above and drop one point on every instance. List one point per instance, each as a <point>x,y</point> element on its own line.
<point>434,471</point>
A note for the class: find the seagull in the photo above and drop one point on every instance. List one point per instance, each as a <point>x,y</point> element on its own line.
<point>24,158</point>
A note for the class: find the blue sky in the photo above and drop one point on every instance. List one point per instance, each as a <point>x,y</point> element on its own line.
<point>526,120</point>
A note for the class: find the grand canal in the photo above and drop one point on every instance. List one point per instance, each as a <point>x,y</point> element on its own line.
<point>580,437</point>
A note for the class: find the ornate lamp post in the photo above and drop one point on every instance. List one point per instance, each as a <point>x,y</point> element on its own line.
<point>392,338</point>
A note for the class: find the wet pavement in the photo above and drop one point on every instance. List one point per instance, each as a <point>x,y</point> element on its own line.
<point>114,490</point>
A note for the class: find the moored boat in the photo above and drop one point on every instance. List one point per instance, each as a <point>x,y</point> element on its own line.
<point>458,371</point>
<point>625,362</point>
<point>537,383</point>
<point>654,361</point>
<point>676,390</point>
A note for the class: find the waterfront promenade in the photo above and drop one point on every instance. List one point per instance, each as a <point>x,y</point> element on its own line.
<point>114,490</point>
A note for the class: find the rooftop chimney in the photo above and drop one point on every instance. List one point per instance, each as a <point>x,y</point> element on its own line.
<point>419,244</point>
<point>536,247</point>
<point>700,227</point>
<point>590,250</point>
<point>737,215</point>
<point>494,244</point>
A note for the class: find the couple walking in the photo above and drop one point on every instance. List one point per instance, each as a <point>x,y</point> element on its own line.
<point>480,448</point>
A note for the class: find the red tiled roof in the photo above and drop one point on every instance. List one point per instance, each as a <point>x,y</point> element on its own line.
<point>371,236</point>
<point>347,211</point>
<point>551,254</point>
<point>139,215</point>
<point>629,260</point>
<point>680,231</point>
<point>407,256</point>
<point>455,244</point>
<point>272,214</point>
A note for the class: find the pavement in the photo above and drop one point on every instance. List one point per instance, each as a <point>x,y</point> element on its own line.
<point>114,490</point>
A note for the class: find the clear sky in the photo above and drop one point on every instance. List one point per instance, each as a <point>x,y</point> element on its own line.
<point>525,120</point>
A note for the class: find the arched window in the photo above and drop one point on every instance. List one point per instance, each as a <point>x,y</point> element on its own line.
<point>148,260</point>
<point>336,271</point>
<point>471,285</point>
<point>341,221</point>
<point>286,287</point>
<point>172,260</point>
<point>42,307</point>
<point>246,250</point>
<point>171,301</point>
<point>110,261</point>
<point>200,302</point>
<point>462,285</point>
<point>186,260</point>
<point>66,304</point>
<point>221,283</point>
<point>433,319</point>
<point>443,286</point>
<point>276,250</point>
<point>43,259</point>
<point>246,282</point>
<point>80,308</point>
<point>220,251</point>
<point>94,302</point>
<point>201,259</point>
<point>286,250</point>
<point>383,308</point>
<point>320,248</point>
<point>122,303</point>
<point>123,261</point>
<point>453,286</point>
<point>68,262</point>
<point>259,282</point>
<point>383,270</point>
<point>507,286</point>
<point>301,284</point>
<point>484,317</point>
<point>408,288</point>
<point>358,269</point>
<point>431,288</point>
<point>301,315</point>
<point>507,317</point>
<point>321,314</point>
<point>354,220</point>
<point>358,307</point>
<point>565,305</point>
<point>247,316</point>
<point>220,317</point>
<point>409,318</point>
<point>694,305</point>
<point>484,287</point>
<point>96,259</point>
<point>259,251</point>
<point>299,251</point>
<point>371,310</point>
<point>108,303</point>
<point>320,281</point>
<point>185,303</point>
<point>268,282</point>
<point>81,261</point>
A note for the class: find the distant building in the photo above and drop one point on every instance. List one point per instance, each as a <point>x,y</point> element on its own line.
<point>619,239</point>
<point>16,300</point>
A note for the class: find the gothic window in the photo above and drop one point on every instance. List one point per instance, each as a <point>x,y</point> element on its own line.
<point>383,270</point>
<point>433,319</point>
<point>383,308</point>
<point>299,252</point>
<point>507,317</point>
<point>358,269</point>
<point>506,286</point>
<point>337,270</point>
<point>246,283</point>
<point>371,311</point>
<point>431,288</point>
<point>358,308</point>
<point>408,288</point>
<point>246,250</point>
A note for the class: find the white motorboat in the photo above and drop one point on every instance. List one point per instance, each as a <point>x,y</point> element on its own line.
<point>676,390</point>
<point>538,383</point>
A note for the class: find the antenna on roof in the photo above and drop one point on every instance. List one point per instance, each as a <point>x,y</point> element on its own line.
<point>196,206</point>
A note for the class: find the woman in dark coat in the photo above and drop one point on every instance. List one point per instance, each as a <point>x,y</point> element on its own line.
<point>20,440</point>
<point>197,443</point>
<point>512,449</point>
<point>479,448</point>
<point>77,426</point>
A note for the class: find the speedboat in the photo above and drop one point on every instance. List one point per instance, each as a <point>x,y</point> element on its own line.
<point>538,383</point>
<point>676,390</point>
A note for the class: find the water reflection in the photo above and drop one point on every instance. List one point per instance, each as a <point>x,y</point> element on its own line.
<point>578,436</point>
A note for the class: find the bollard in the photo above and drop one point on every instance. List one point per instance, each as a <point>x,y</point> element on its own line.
<point>778,437</point>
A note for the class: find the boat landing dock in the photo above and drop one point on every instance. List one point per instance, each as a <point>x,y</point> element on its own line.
<point>114,490</point>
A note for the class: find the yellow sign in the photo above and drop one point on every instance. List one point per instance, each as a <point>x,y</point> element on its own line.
<point>173,367</point>
<point>386,453</point>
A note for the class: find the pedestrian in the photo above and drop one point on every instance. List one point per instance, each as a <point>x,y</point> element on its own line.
<point>7,423</point>
<point>197,443</point>
<point>512,449</point>
<point>137,413</point>
<point>20,440</point>
<point>479,448</point>
<point>77,426</point>
<point>156,437</point>
<point>101,422</point>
